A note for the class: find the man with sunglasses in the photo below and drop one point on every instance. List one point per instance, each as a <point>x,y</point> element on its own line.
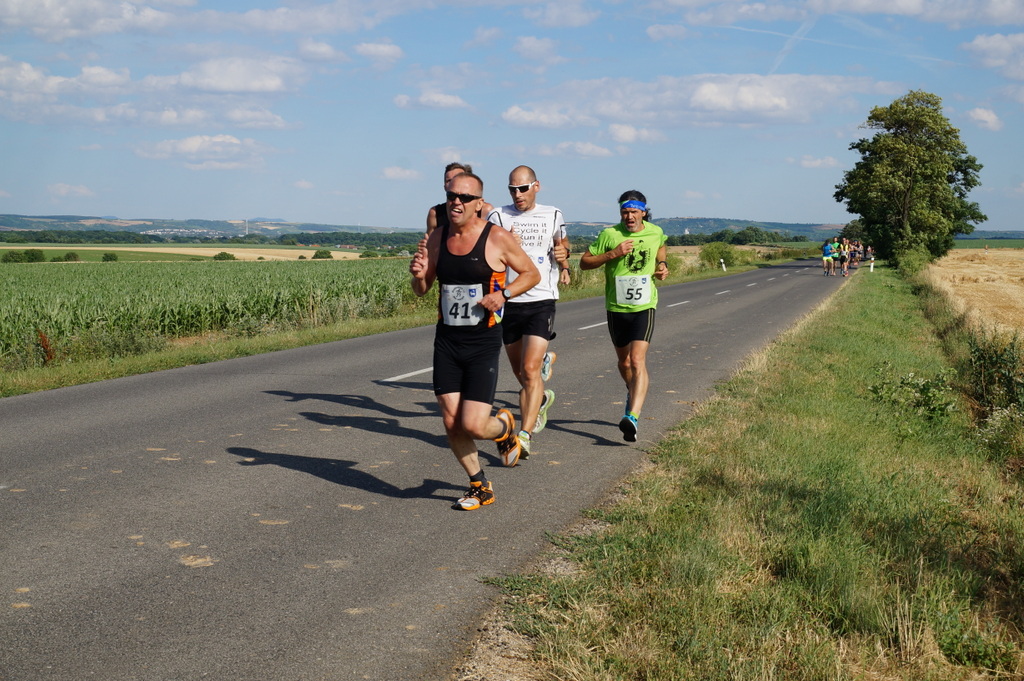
<point>469,259</point>
<point>438,215</point>
<point>529,321</point>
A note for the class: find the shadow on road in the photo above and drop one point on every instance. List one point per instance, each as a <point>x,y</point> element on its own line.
<point>358,402</point>
<point>342,472</point>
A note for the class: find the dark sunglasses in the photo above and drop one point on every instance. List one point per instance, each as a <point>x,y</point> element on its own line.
<point>520,188</point>
<point>464,198</point>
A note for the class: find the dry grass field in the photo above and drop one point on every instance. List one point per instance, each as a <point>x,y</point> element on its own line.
<point>988,284</point>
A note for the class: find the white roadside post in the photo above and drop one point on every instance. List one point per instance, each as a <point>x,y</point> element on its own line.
<point>722,260</point>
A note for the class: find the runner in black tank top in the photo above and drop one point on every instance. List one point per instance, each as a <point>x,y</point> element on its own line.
<point>464,276</point>
<point>467,341</point>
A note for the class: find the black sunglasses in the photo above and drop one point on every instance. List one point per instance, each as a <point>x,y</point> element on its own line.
<point>520,188</point>
<point>464,198</point>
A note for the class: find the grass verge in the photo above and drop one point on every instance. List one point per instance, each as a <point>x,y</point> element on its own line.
<point>830,515</point>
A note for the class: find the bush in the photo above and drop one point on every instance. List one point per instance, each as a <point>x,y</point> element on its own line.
<point>35,255</point>
<point>224,255</point>
<point>717,252</point>
<point>1003,433</point>
<point>913,260</point>
<point>110,257</point>
<point>13,256</point>
<point>931,398</point>
<point>71,256</point>
<point>323,254</point>
<point>369,254</point>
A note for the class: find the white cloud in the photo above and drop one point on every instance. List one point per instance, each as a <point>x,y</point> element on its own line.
<point>61,190</point>
<point>382,54</point>
<point>705,99</point>
<point>586,149</point>
<point>448,155</point>
<point>255,117</point>
<point>567,14</point>
<point>538,49</point>
<point>545,116</point>
<point>57,20</point>
<point>484,37</point>
<point>23,82</point>
<point>303,184</point>
<point>397,173</point>
<point>986,119</point>
<point>726,13</point>
<point>20,81</point>
<point>5,194</point>
<point>666,32</point>
<point>169,117</point>
<point>693,195</point>
<point>754,95</point>
<point>627,134</point>
<point>207,152</point>
<point>99,77</point>
<point>807,161</point>
<point>315,50</point>
<point>330,17</point>
<point>242,75</point>
<point>951,12</point>
<point>1004,53</point>
<point>430,100</point>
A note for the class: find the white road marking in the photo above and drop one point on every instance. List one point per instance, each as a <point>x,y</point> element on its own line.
<point>412,373</point>
<point>682,303</point>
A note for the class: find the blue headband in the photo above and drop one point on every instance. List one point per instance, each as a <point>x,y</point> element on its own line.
<point>633,203</point>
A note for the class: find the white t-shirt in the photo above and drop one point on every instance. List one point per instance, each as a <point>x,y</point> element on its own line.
<point>538,231</point>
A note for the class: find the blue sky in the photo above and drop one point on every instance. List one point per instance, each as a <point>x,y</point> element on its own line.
<point>346,112</point>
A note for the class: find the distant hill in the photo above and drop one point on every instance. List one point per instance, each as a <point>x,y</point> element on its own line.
<point>176,228</point>
<point>274,227</point>
<point>989,235</point>
<point>674,226</point>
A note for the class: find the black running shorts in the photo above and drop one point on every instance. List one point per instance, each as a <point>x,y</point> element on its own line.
<point>466,362</point>
<point>536,318</point>
<point>626,327</point>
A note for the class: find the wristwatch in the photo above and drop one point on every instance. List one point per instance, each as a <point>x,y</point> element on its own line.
<point>505,292</point>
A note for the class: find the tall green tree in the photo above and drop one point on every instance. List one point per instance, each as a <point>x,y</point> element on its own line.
<point>910,187</point>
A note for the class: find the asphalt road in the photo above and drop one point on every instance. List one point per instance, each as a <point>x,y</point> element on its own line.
<point>289,516</point>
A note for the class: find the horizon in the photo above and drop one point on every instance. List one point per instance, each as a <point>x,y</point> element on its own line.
<point>331,112</point>
<point>272,221</point>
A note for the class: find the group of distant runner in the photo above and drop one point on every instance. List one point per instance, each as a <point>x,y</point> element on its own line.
<point>844,253</point>
<point>498,271</point>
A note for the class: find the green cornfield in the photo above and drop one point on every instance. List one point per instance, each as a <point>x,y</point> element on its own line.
<point>63,312</point>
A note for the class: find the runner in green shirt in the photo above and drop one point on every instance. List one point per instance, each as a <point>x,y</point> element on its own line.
<point>633,254</point>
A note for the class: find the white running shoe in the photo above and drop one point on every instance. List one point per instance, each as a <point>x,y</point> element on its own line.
<point>545,366</point>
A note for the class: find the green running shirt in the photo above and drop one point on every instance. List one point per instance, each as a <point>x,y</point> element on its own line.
<point>630,277</point>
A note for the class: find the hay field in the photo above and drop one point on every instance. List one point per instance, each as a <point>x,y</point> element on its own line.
<point>988,284</point>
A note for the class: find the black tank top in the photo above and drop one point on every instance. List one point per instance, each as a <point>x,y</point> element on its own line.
<point>469,269</point>
<point>441,215</point>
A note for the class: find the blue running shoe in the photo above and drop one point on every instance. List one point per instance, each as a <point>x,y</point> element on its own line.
<point>628,427</point>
